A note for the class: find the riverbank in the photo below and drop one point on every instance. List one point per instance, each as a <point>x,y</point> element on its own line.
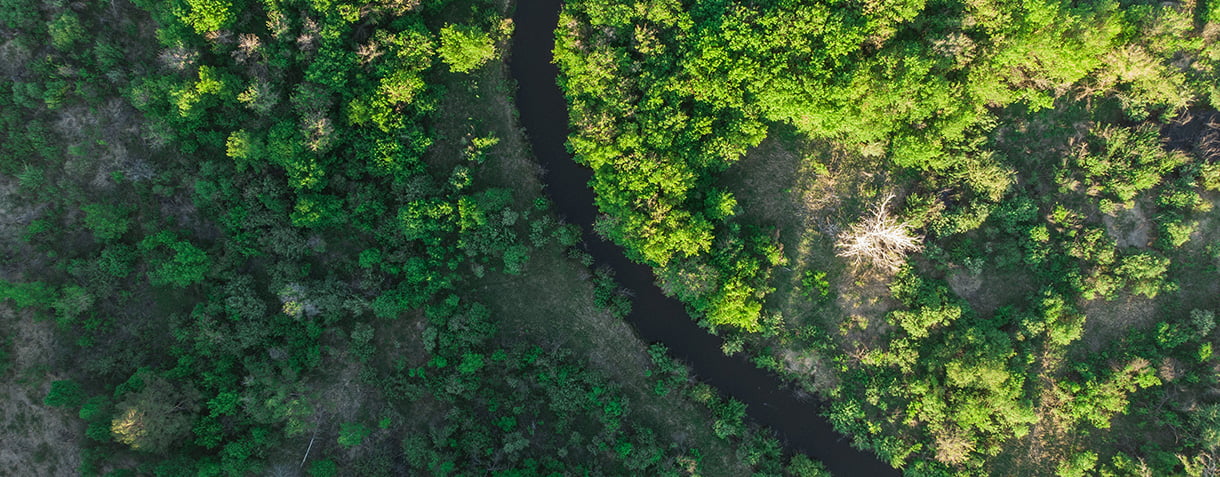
<point>655,317</point>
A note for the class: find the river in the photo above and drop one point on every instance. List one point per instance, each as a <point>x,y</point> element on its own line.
<point>657,318</point>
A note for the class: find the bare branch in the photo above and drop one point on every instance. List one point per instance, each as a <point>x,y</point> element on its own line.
<point>880,240</point>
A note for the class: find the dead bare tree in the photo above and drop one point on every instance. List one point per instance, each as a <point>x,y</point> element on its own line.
<point>880,240</point>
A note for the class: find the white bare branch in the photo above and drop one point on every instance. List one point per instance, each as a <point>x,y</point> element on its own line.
<point>880,240</point>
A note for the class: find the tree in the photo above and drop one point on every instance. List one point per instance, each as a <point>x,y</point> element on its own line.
<point>352,434</point>
<point>155,417</point>
<point>18,14</point>
<point>318,211</point>
<point>25,295</point>
<point>802,466</point>
<point>208,15</point>
<point>185,267</point>
<point>64,393</point>
<point>465,49</point>
<point>1145,274</point>
<point>107,222</point>
<point>729,422</point>
<point>66,31</point>
<point>880,240</point>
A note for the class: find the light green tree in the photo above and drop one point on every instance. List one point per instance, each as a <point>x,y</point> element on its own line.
<point>208,15</point>
<point>465,49</point>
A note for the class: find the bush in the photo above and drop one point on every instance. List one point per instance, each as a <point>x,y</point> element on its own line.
<point>1174,232</point>
<point>815,286</point>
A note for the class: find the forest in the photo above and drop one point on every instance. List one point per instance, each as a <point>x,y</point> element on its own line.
<point>984,232</point>
<point>307,237</point>
<point>312,237</point>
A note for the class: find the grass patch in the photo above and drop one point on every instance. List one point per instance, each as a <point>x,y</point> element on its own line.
<point>810,191</point>
<point>554,300</point>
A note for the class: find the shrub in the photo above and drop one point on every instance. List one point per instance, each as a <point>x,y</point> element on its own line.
<point>1174,231</point>
<point>815,285</point>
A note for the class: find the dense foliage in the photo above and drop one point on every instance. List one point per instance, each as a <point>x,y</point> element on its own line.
<point>260,236</point>
<point>1055,157</point>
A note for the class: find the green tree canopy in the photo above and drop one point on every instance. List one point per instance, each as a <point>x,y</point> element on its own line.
<point>465,49</point>
<point>157,415</point>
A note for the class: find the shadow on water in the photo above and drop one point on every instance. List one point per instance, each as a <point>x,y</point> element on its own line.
<point>657,318</point>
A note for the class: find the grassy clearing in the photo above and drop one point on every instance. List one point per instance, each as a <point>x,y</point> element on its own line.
<point>479,105</point>
<point>553,301</point>
<point>811,191</point>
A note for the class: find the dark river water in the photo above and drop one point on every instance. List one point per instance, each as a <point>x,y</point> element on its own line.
<point>657,318</point>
